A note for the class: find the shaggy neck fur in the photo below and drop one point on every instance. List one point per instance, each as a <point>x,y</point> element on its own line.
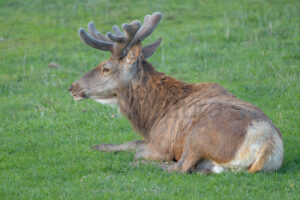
<point>149,96</point>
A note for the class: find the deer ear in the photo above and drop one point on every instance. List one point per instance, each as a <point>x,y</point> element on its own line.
<point>149,50</point>
<point>134,53</point>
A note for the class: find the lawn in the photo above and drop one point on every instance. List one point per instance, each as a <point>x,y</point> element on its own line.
<point>252,48</point>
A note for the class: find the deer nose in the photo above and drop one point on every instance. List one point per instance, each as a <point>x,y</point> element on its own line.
<point>70,88</point>
<point>83,95</point>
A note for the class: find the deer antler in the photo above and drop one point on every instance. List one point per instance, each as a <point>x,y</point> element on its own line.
<point>119,43</point>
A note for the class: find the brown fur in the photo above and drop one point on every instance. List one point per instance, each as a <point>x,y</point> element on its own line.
<point>181,122</point>
<point>171,115</point>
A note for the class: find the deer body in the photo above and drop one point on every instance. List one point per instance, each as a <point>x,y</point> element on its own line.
<point>202,127</point>
<point>206,119</point>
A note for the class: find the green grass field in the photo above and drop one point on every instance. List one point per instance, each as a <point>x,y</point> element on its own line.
<point>250,47</point>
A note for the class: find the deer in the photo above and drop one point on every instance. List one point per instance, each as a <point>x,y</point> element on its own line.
<point>199,127</point>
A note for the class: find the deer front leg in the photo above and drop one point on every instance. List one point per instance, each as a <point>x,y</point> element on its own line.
<point>129,146</point>
<point>149,153</point>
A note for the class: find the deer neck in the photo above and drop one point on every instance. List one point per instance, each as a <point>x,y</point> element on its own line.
<point>149,96</point>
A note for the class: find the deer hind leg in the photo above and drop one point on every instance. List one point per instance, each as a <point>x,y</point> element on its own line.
<point>262,156</point>
<point>129,146</point>
<point>187,162</point>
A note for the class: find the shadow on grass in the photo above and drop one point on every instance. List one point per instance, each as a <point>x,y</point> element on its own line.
<point>124,162</point>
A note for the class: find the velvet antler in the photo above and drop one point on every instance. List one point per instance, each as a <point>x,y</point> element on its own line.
<point>119,43</point>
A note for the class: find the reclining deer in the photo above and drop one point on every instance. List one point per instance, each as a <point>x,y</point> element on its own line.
<point>202,127</point>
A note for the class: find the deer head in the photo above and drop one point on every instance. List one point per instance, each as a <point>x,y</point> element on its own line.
<point>103,82</point>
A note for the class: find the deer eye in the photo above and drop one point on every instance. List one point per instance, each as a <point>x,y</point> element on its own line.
<point>105,70</point>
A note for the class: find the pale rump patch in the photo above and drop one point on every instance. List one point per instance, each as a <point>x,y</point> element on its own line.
<point>275,160</point>
<point>262,150</point>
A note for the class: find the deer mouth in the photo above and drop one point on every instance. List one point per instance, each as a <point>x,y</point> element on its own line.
<point>77,93</point>
<point>79,97</point>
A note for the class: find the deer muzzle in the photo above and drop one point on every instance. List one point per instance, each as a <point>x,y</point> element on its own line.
<point>77,93</point>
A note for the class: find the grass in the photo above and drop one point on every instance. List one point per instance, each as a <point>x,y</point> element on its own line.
<point>250,47</point>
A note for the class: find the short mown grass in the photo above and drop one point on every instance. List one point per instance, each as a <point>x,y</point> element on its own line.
<point>250,47</point>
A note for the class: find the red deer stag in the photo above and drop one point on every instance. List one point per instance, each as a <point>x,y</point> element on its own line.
<point>202,127</point>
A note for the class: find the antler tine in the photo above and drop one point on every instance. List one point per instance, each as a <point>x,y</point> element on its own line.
<point>95,33</point>
<point>122,40</point>
<point>97,44</point>
<point>146,18</point>
<point>117,31</point>
<point>115,38</point>
<point>150,22</point>
<point>131,29</point>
